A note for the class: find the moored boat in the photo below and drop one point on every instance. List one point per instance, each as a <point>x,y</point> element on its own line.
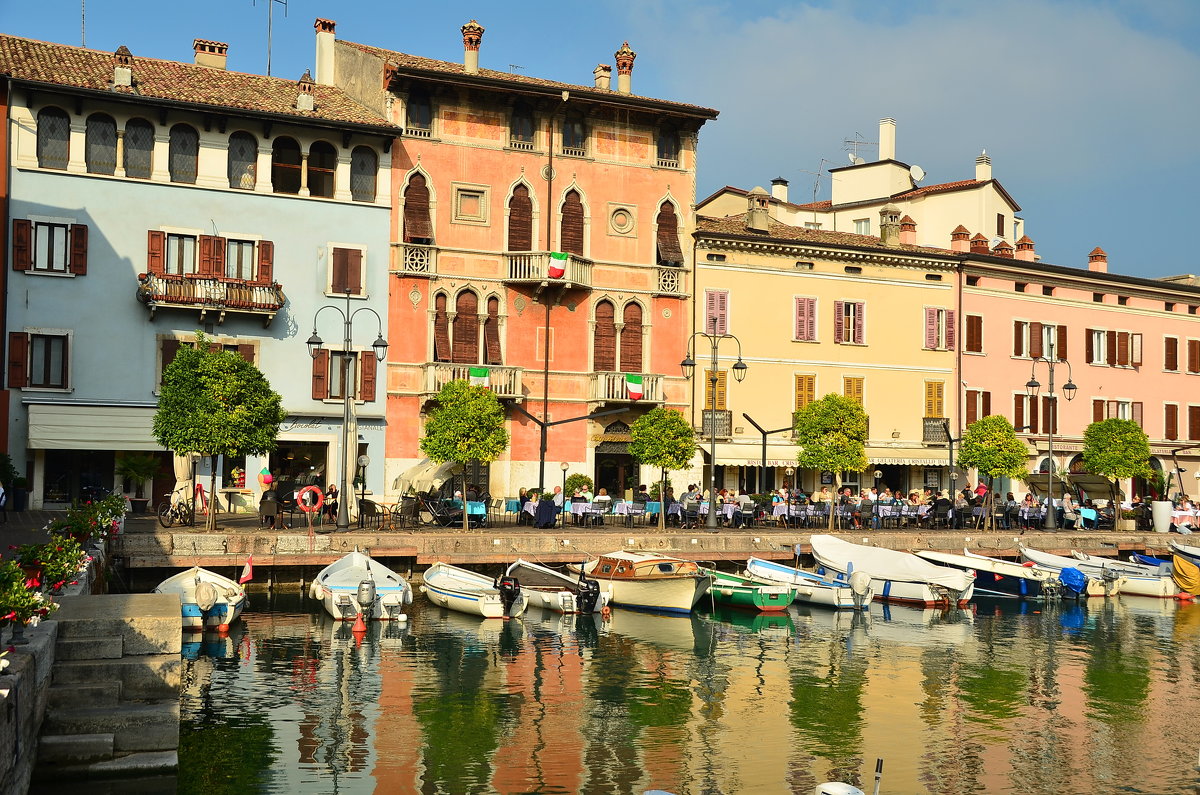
<point>1188,553</point>
<point>895,576</point>
<point>553,590</point>
<point>469,592</point>
<point>647,582</point>
<point>208,600</point>
<point>848,593</point>
<point>995,577</point>
<point>747,593</point>
<point>356,584</point>
<point>1114,580</point>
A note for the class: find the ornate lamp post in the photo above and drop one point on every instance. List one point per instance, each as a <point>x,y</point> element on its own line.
<point>379,346</point>
<point>1031,388</point>
<point>688,365</point>
<point>564,466</point>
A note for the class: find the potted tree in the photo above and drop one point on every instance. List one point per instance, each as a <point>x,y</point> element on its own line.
<point>1118,450</point>
<point>662,439</point>
<point>138,468</point>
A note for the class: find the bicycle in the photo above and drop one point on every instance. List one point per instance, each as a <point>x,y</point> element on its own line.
<point>176,512</point>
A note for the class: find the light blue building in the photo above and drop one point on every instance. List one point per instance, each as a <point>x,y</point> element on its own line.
<point>150,199</point>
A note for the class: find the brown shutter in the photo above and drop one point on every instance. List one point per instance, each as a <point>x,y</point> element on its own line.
<point>1097,411</point>
<point>1193,356</point>
<point>417,226</point>
<point>156,252</point>
<point>1193,423</point>
<point>354,271</point>
<point>520,220</point>
<point>1032,419</point>
<point>22,244</point>
<point>571,230</point>
<point>1171,422</point>
<point>266,262</point>
<point>1136,412</point>
<point>366,375</point>
<point>1111,409</point>
<point>466,328</point>
<point>220,246</point>
<point>975,333</point>
<point>491,332</point>
<point>1019,337</point>
<point>631,339</point>
<point>441,330</point>
<point>972,406</point>
<point>1110,339</point>
<point>79,249</point>
<point>320,375</point>
<point>1170,353</point>
<point>170,347</point>
<point>1035,341</point>
<point>1019,411</point>
<point>668,235</point>
<point>605,351</point>
<point>1089,349</point>
<point>1049,420</point>
<point>246,351</point>
<point>206,256</point>
<point>987,405</point>
<point>1060,343</point>
<point>1123,349</point>
<point>18,358</point>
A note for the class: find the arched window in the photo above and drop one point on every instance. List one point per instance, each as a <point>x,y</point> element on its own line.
<point>668,147</point>
<point>285,166</point>
<point>631,339</point>
<point>364,168</point>
<point>669,252</point>
<point>53,138</point>
<point>100,144</point>
<point>243,161</point>
<point>604,354</point>
<point>139,149</point>
<point>419,115</point>
<point>491,332</point>
<point>520,130</point>
<point>574,134</point>
<point>570,235</point>
<point>520,220</point>
<point>322,165</point>
<point>441,329</point>
<point>466,328</point>
<point>417,226</point>
<point>183,154</point>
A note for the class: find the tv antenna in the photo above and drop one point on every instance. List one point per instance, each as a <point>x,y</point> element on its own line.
<point>852,145</point>
<point>816,176</point>
<point>270,25</point>
<point>513,67</point>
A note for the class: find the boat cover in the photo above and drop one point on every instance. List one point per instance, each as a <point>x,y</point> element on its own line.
<point>1075,580</point>
<point>1186,575</point>
<point>885,564</point>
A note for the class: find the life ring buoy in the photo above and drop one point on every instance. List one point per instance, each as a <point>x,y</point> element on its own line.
<point>303,504</point>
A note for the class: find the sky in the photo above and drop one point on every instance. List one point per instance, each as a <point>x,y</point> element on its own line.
<point>1089,110</point>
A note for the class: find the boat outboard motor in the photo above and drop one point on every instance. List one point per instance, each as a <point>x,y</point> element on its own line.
<point>366,597</point>
<point>510,591</point>
<point>587,596</point>
<point>860,587</point>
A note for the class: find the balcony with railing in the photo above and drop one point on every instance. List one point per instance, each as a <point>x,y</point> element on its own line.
<point>210,295</point>
<point>414,259</point>
<point>533,267</point>
<point>721,420</point>
<point>671,281</point>
<point>934,431</point>
<point>505,382</point>
<point>616,388</point>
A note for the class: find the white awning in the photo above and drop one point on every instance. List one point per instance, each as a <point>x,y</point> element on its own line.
<point>62,426</point>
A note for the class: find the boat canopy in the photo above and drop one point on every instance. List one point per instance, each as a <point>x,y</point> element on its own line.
<point>885,564</point>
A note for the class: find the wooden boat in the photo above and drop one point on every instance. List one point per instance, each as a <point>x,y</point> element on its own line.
<point>553,590</point>
<point>895,576</point>
<point>995,577</point>
<point>1113,580</point>
<point>468,592</point>
<point>850,593</point>
<point>358,585</point>
<point>209,600</point>
<point>647,582</point>
<point>747,593</point>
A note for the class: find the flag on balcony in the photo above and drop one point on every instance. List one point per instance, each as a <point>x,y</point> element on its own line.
<point>558,264</point>
<point>633,385</point>
<point>479,377</point>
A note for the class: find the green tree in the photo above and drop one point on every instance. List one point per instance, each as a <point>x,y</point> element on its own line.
<point>467,424</point>
<point>1116,449</point>
<point>662,438</point>
<point>214,402</point>
<point>831,436</point>
<point>990,445</point>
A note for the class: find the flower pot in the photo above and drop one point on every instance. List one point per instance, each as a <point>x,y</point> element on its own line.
<point>139,504</point>
<point>1160,512</point>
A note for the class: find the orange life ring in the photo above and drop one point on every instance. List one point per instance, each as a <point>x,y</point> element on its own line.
<point>310,508</point>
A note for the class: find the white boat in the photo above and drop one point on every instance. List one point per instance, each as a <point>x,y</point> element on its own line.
<point>467,592</point>
<point>357,585</point>
<point>209,600</point>
<point>648,582</point>
<point>1124,566</point>
<point>895,576</point>
<point>546,588</point>
<point>1115,580</point>
<point>1189,553</point>
<point>852,593</point>
<point>995,577</point>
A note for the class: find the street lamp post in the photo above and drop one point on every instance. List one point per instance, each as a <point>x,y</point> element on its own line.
<point>564,466</point>
<point>1051,522</point>
<point>379,346</point>
<point>688,365</point>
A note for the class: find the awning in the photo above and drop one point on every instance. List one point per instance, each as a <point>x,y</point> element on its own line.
<point>63,426</point>
<point>750,455</point>
<point>424,476</point>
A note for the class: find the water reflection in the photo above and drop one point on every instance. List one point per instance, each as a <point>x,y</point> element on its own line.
<point>1002,697</point>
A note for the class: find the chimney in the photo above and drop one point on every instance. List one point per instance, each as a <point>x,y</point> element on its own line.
<point>908,231</point>
<point>603,76</point>
<point>758,215</point>
<point>1003,249</point>
<point>210,53</point>
<point>472,33</point>
<point>1025,249</point>
<point>979,244</point>
<point>887,139</point>
<point>779,187</point>
<point>304,100</point>
<point>324,28</point>
<point>983,167</point>
<point>624,57</point>
<point>1098,260</point>
<point>122,67</point>
<point>960,239</point>
<point>889,225</point>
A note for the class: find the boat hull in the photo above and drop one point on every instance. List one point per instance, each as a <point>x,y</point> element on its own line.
<point>913,582</point>
<point>669,595</point>
<point>549,589</point>
<point>744,593</point>
<point>994,577</point>
<point>467,592</point>
<point>810,588</point>
<point>1157,586</point>
<point>230,599</point>
<point>337,588</point>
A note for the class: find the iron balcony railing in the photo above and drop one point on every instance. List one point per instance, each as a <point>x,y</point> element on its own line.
<point>614,388</point>
<point>210,294</point>
<point>534,267</point>
<point>934,431</point>
<point>503,381</point>
<point>720,420</point>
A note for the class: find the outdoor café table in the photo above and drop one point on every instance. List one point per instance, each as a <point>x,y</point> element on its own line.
<point>1179,518</point>
<point>512,506</point>
<point>530,507</point>
<point>726,510</point>
<point>1086,516</point>
<point>629,510</point>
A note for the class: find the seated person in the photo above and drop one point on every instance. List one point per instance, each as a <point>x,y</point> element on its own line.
<point>744,515</point>
<point>331,502</point>
<point>268,507</point>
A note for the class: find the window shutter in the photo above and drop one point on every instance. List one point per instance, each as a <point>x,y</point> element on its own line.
<point>975,333</point>
<point>79,249</point>
<point>806,321</point>
<point>1136,409</point>
<point>1111,410</point>
<point>156,252</point>
<point>805,390</point>
<point>951,329</point>
<point>205,267</point>
<point>800,324</point>
<point>1135,350</point>
<point>852,387</point>
<point>1123,349</point>
<point>320,375</point>
<point>1097,411</point>
<point>1035,340</point>
<point>631,339</point>
<point>466,329</point>
<point>1170,353</point>
<point>491,332</point>
<point>1171,422</point>
<point>18,359</point>
<point>366,375</point>
<point>1089,347</point>
<point>1193,423</point>
<point>520,220</point>
<point>605,351</point>
<point>354,272</point>
<point>986,410</point>
<point>1018,411</point>
<point>218,256</point>
<point>441,330</point>
<point>859,322</point>
<point>1110,344</point>
<point>1032,419</point>
<point>1193,351</point>
<point>1060,343</point>
<point>570,236</point>
<point>1049,421</point>
<point>719,395</point>
<point>972,406</point>
<point>931,335</point>
<point>417,226</point>
<point>266,262</point>
<point>22,244</point>
<point>839,321</point>
<point>668,236</point>
<point>1019,337</point>
<point>246,351</point>
<point>338,282</point>
<point>716,306</point>
<point>170,347</point>
<point>810,329</point>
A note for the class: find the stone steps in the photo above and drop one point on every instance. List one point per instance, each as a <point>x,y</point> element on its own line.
<point>93,694</point>
<point>144,677</point>
<point>109,647</point>
<point>133,725</point>
<point>74,749</point>
<point>146,771</point>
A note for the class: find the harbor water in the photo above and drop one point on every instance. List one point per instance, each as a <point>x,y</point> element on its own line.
<point>1003,697</point>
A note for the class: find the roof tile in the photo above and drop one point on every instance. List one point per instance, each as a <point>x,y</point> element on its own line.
<point>736,225</point>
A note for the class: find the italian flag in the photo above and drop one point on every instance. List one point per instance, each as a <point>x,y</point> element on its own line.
<point>479,377</point>
<point>633,385</point>
<point>558,264</point>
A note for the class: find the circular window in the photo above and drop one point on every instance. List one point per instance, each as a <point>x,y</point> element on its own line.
<point>622,221</point>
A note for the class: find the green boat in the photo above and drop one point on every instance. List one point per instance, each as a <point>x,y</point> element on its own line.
<point>734,590</point>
